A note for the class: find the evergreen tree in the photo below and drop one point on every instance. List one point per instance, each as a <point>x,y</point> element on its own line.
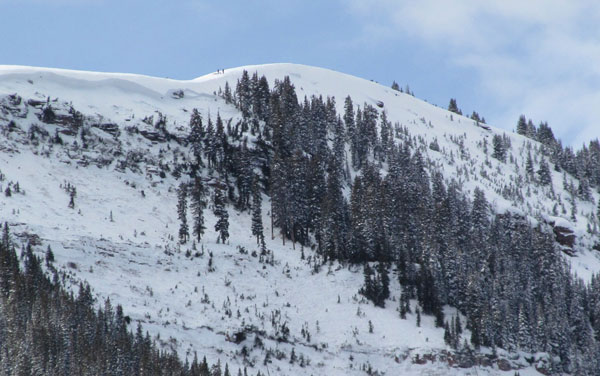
<point>48,115</point>
<point>453,107</point>
<point>404,304</point>
<point>384,284</point>
<point>198,204</point>
<point>182,213</point>
<point>339,152</point>
<point>475,116</point>
<point>244,177</point>
<point>545,177</point>
<point>529,165</point>
<point>376,284</point>
<point>220,144</point>
<point>334,217</point>
<point>522,125</point>
<point>351,132</point>
<point>385,132</point>
<point>220,211</point>
<point>545,135</point>
<point>72,195</point>
<point>49,256</point>
<point>243,94</point>
<point>499,149</point>
<point>210,144</point>
<point>257,224</point>
<point>262,95</point>
<point>447,335</point>
<point>531,130</point>
<point>369,288</point>
<point>583,190</point>
<point>216,368</point>
<point>196,136</point>
<point>524,333</point>
<point>227,93</point>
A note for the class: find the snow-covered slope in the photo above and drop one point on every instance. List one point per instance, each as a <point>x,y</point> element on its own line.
<point>120,235</point>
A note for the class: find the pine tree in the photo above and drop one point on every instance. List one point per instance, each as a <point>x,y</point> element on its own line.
<point>351,132</point>
<point>72,195</point>
<point>196,136</point>
<point>227,93</point>
<point>262,95</point>
<point>198,204</point>
<point>439,316</point>
<point>457,325</point>
<point>182,213</point>
<point>453,107</point>
<point>529,165</point>
<point>499,150</point>
<point>210,144</point>
<point>522,125</point>
<point>386,136</point>
<point>531,130</point>
<point>204,369</point>
<point>257,224</point>
<point>49,256</point>
<point>524,333</point>
<point>447,335</point>
<point>339,152</point>
<point>476,335</point>
<point>243,94</point>
<point>220,211</point>
<point>584,189</point>
<point>368,131</point>
<point>48,115</point>
<point>404,304</point>
<point>384,284</point>
<point>220,143</point>
<point>545,135</point>
<point>216,368</point>
<point>368,289</point>
<point>545,177</point>
<point>244,178</point>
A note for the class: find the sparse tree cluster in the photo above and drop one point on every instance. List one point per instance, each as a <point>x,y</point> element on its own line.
<point>582,164</point>
<point>45,330</point>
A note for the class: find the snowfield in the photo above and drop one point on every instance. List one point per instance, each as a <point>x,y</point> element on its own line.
<point>227,301</point>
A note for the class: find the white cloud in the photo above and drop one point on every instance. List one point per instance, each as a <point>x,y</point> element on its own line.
<point>537,57</point>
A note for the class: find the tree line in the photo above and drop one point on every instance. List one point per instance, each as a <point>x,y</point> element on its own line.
<point>47,330</point>
<point>324,173</point>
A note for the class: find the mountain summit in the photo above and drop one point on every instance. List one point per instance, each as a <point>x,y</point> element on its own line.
<point>289,219</point>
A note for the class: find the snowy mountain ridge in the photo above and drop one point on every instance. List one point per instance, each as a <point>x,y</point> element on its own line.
<point>121,234</point>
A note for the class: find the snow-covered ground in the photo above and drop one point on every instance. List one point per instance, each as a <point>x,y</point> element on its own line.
<point>120,236</point>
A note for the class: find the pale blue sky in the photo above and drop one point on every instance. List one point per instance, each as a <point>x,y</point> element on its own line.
<point>498,57</point>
